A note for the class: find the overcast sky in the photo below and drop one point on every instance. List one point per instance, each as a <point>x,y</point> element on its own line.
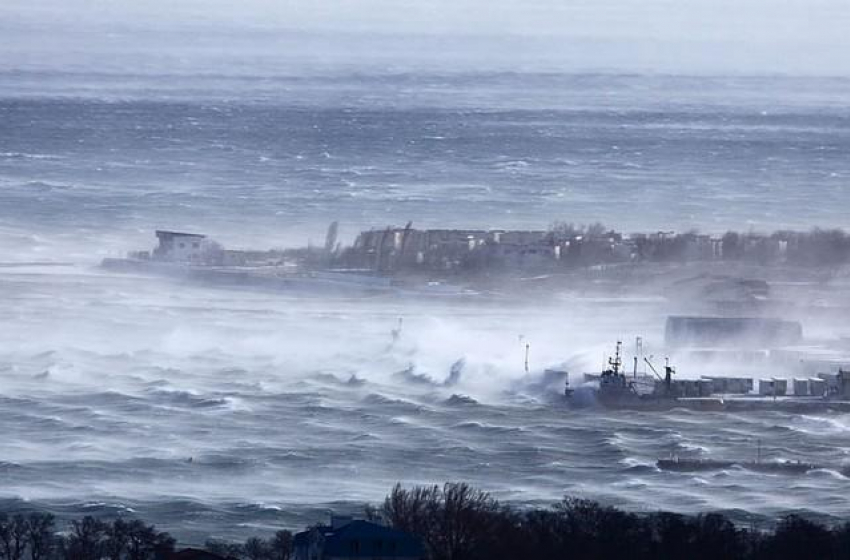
<point>798,37</point>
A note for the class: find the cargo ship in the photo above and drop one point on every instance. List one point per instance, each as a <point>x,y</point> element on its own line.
<point>615,388</point>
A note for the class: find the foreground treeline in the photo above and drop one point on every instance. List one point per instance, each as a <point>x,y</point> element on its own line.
<point>459,522</point>
<point>36,537</point>
<point>279,547</point>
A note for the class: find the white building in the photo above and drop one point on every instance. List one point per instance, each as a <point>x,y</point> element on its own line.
<point>181,247</point>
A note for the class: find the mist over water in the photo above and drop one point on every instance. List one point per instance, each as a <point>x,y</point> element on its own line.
<point>288,406</point>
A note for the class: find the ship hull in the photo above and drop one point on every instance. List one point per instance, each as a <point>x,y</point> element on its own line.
<point>769,467</point>
<point>800,405</point>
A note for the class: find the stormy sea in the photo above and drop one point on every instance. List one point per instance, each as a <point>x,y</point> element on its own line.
<point>227,412</point>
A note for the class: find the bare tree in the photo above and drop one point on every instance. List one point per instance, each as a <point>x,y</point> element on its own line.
<point>40,530</point>
<point>256,549</point>
<point>145,542</point>
<point>411,510</point>
<point>13,536</point>
<point>466,521</point>
<point>116,540</point>
<point>454,520</point>
<point>224,548</point>
<point>86,540</point>
<point>563,231</point>
<point>281,545</point>
<point>596,229</point>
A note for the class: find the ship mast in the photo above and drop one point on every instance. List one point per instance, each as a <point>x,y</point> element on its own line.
<point>668,373</point>
<point>638,352</point>
<point>616,361</point>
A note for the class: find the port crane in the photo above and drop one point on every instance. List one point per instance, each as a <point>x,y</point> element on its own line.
<point>669,372</point>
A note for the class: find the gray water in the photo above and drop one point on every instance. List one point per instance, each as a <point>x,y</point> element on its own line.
<point>111,384</point>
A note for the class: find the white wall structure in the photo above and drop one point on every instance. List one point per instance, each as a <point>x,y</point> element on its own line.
<point>181,247</point>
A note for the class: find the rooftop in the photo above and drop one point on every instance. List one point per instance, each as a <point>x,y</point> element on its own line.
<point>165,233</point>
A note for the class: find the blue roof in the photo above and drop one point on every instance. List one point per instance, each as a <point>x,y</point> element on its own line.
<point>365,539</point>
<point>301,539</point>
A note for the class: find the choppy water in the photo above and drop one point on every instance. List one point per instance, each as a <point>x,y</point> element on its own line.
<point>111,384</point>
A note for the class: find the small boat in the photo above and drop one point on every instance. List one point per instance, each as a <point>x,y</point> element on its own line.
<point>677,464</point>
<point>700,465</point>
